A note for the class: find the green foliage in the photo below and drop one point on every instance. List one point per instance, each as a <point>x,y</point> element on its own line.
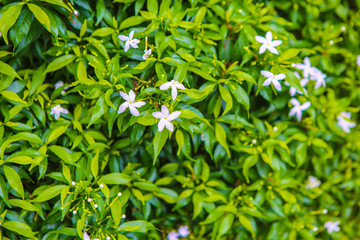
<point>79,155</point>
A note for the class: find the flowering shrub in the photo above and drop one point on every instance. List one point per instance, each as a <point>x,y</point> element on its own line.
<point>146,119</point>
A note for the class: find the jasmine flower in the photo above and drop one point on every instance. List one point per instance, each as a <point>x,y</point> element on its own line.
<point>305,67</point>
<point>130,103</point>
<point>332,226</point>
<point>174,86</point>
<point>184,231</point>
<point>313,182</point>
<point>87,237</point>
<point>60,84</point>
<point>344,121</point>
<point>57,110</point>
<point>268,43</point>
<point>318,76</point>
<point>129,41</point>
<point>303,83</point>
<point>166,118</point>
<point>298,108</point>
<point>272,78</point>
<point>147,53</point>
<point>173,236</point>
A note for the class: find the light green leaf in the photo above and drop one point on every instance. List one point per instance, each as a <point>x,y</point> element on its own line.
<point>240,95</point>
<point>23,204</point>
<point>19,227</point>
<point>49,193</point>
<point>116,212</point>
<point>225,94</point>
<point>100,108</point>
<point>95,164</point>
<point>14,180</point>
<point>8,19</point>
<point>115,178</point>
<point>226,224</point>
<point>12,96</point>
<point>62,153</point>
<point>8,70</point>
<point>221,137</point>
<point>159,142</point>
<point>249,162</point>
<point>60,62</point>
<point>40,15</point>
<point>56,133</point>
<point>103,32</point>
<point>131,21</point>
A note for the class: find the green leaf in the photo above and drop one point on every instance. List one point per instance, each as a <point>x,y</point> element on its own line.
<point>131,21</point>
<point>202,74</point>
<point>226,224</point>
<point>249,162</point>
<point>180,72</point>
<point>225,94</point>
<point>19,227</point>
<point>49,193</point>
<point>197,94</point>
<point>59,3</point>
<point>179,136</point>
<point>147,120</point>
<point>23,204</point>
<point>136,226</point>
<point>60,62</point>
<point>14,180</point>
<point>100,108</point>
<point>83,28</point>
<point>240,95</point>
<point>40,15</point>
<point>198,204</point>
<point>301,153</point>
<point>116,212</point>
<point>95,164</point>
<point>116,178</point>
<point>221,137</point>
<point>37,79</point>
<point>8,70</point>
<point>190,115</point>
<point>12,96</point>
<point>288,54</point>
<point>8,19</point>
<point>153,6</point>
<point>56,133</point>
<point>62,153</point>
<point>247,224</point>
<point>103,32</point>
<point>159,142</point>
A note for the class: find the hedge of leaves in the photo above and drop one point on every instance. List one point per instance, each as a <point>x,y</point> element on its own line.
<point>147,119</point>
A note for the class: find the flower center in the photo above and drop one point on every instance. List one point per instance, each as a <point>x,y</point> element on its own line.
<point>130,103</point>
<point>165,118</point>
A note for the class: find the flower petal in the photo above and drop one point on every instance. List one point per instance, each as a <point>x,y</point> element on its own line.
<point>292,91</point>
<point>174,115</point>
<point>293,111</point>
<point>133,110</point>
<point>267,82</point>
<point>273,50</point>
<point>294,102</point>
<point>86,236</point>
<point>307,62</point>
<point>266,73</point>
<point>277,85</point>
<point>124,96</point>
<point>286,83</point>
<point>297,75</point>
<point>173,92</point>
<point>165,86</point>
<point>280,76</point>
<point>131,96</point>
<point>276,43</point>
<point>268,36</point>
<point>63,110</point>
<point>133,44</point>
<point>138,104</point>
<point>123,37</point>
<point>164,110</point>
<point>57,115</point>
<point>127,46</point>
<point>305,106</point>
<point>180,86</point>
<point>123,107</point>
<point>260,39</point>
<point>299,115</point>
<point>131,35</point>
<point>157,115</point>
<point>169,126</point>
<point>262,49</point>
<point>161,124</point>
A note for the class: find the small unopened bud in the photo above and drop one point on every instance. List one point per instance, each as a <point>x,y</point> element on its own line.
<point>331,42</point>
<point>74,212</point>
<point>343,28</point>
<point>275,129</point>
<point>101,185</point>
<point>315,228</point>
<point>254,141</point>
<point>293,65</point>
<point>324,211</point>
<point>96,206</point>
<point>73,183</point>
<point>119,194</point>
<point>76,13</point>
<point>108,238</point>
<point>123,216</point>
<point>89,199</point>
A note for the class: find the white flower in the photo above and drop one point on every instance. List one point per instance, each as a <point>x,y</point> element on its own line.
<point>129,41</point>
<point>60,84</point>
<point>344,121</point>
<point>74,212</point>
<point>86,236</point>
<point>173,236</point>
<point>174,85</point>
<point>96,206</point>
<point>166,118</point>
<point>89,199</point>
<point>272,78</point>
<point>297,109</point>
<point>76,13</point>
<point>358,60</point>
<point>184,231</point>
<point>313,182</point>
<point>57,110</point>
<point>119,194</point>
<point>318,76</point>
<point>332,226</point>
<point>147,53</point>
<point>108,238</point>
<point>130,103</point>
<point>123,216</point>
<point>73,183</point>
<point>324,211</point>
<point>306,67</point>
<point>303,83</point>
<point>268,43</point>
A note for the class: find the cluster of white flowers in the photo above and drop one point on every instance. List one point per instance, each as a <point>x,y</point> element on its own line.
<point>332,226</point>
<point>312,73</point>
<point>183,231</point>
<point>344,121</point>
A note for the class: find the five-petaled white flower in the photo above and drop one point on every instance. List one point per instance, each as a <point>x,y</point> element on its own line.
<point>57,110</point>
<point>130,103</point>
<point>272,78</point>
<point>298,108</point>
<point>358,60</point>
<point>303,83</point>
<point>332,226</point>
<point>344,121</point>
<point>318,76</point>
<point>129,41</point>
<point>60,84</point>
<point>147,53</point>
<point>305,67</point>
<point>268,43</point>
<point>87,237</point>
<point>184,231</point>
<point>166,118</point>
<point>313,182</point>
<point>174,85</point>
<point>173,236</point>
